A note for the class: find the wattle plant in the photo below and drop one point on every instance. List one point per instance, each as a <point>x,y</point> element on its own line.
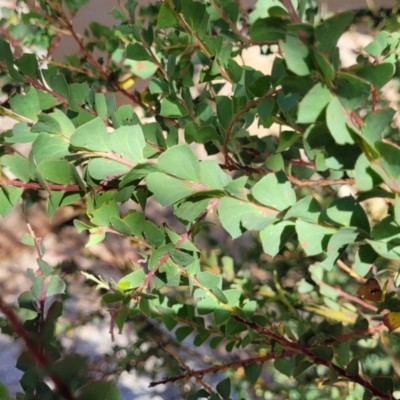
<point>301,305</point>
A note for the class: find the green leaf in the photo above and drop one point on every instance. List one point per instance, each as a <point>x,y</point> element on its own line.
<point>57,171</point>
<point>56,286</point>
<point>166,17</point>
<point>328,33</point>
<point>98,390</point>
<point>181,258</point>
<point>285,365</point>
<point>301,367</point>
<point>307,209</point>
<point>376,124</point>
<point>27,105</point>
<point>9,197</point>
<point>212,175</point>
<point>347,212</point>
<point>323,352</point>
<point>352,367</point>
<point>180,161</point>
<point>351,90</point>
<point>313,238</point>
<point>268,29</point>
<point>275,236</point>
<point>313,104</point>
<point>18,165</point>
<point>209,280</point>
<point>224,110</point>
<point>224,388</point>
<point>132,280</point>
<point>166,189</point>
<point>378,75</point>
<point>129,142</point>
<point>183,332</point>
<point>92,136</point>
<point>236,216</point>
<point>104,169</point>
<point>253,372</point>
<point>336,120</point>
<point>286,140</point>
<point>296,55</point>
<point>172,108</point>
<point>366,178</point>
<point>153,234</point>
<point>137,52</point>
<point>274,190</point>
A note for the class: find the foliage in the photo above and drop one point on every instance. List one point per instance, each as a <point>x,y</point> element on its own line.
<point>280,315</point>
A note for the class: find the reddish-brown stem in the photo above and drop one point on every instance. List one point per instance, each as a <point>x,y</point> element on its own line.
<point>40,358</point>
<point>300,349</point>
<point>292,12</point>
<point>320,182</point>
<point>357,300</point>
<point>219,368</point>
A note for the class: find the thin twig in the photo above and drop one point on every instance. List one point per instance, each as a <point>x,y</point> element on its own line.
<point>223,367</point>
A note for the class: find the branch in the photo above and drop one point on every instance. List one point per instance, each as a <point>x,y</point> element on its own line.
<point>299,349</point>
<point>38,355</point>
<point>320,182</point>
<point>219,368</point>
<point>292,12</point>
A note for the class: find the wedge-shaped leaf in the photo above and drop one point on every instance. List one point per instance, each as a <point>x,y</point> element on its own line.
<point>336,119</point>
<point>188,211</point>
<point>132,280</point>
<point>57,171</point>
<point>92,136</point>
<point>268,29</point>
<point>137,52</point>
<point>166,189</point>
<point>328,33</point>
<point>388,250</point>
<point>313,104</point>
<point>296,55</point>
<point>172,108</point>
<point>47,147</point>
<point>27,105</point>
<point>237,216</point>
<point>56,286</point>
<point>366,178</point>
<point>180,161</point>
<point>101,168</point>
<point>18,165</point>
<point>376,123</point>
<point>274,190</point>
<point>275,236</point>
<point>307,209</point>
<point>101,216</point>
<point>9,197</point>
<point>351,90</point>
<point>181,258</point>
<point>166,17</point>
<point>129,142</point>
<point>212,175</point>
<point>378,75</point>
<point>313,238</point>
<point>392,320</point>
<point>224,110</point>
<point>253,372</point>
<point>347,212</point>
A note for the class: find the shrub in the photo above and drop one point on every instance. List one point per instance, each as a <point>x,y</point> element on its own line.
<point>297,308</point>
